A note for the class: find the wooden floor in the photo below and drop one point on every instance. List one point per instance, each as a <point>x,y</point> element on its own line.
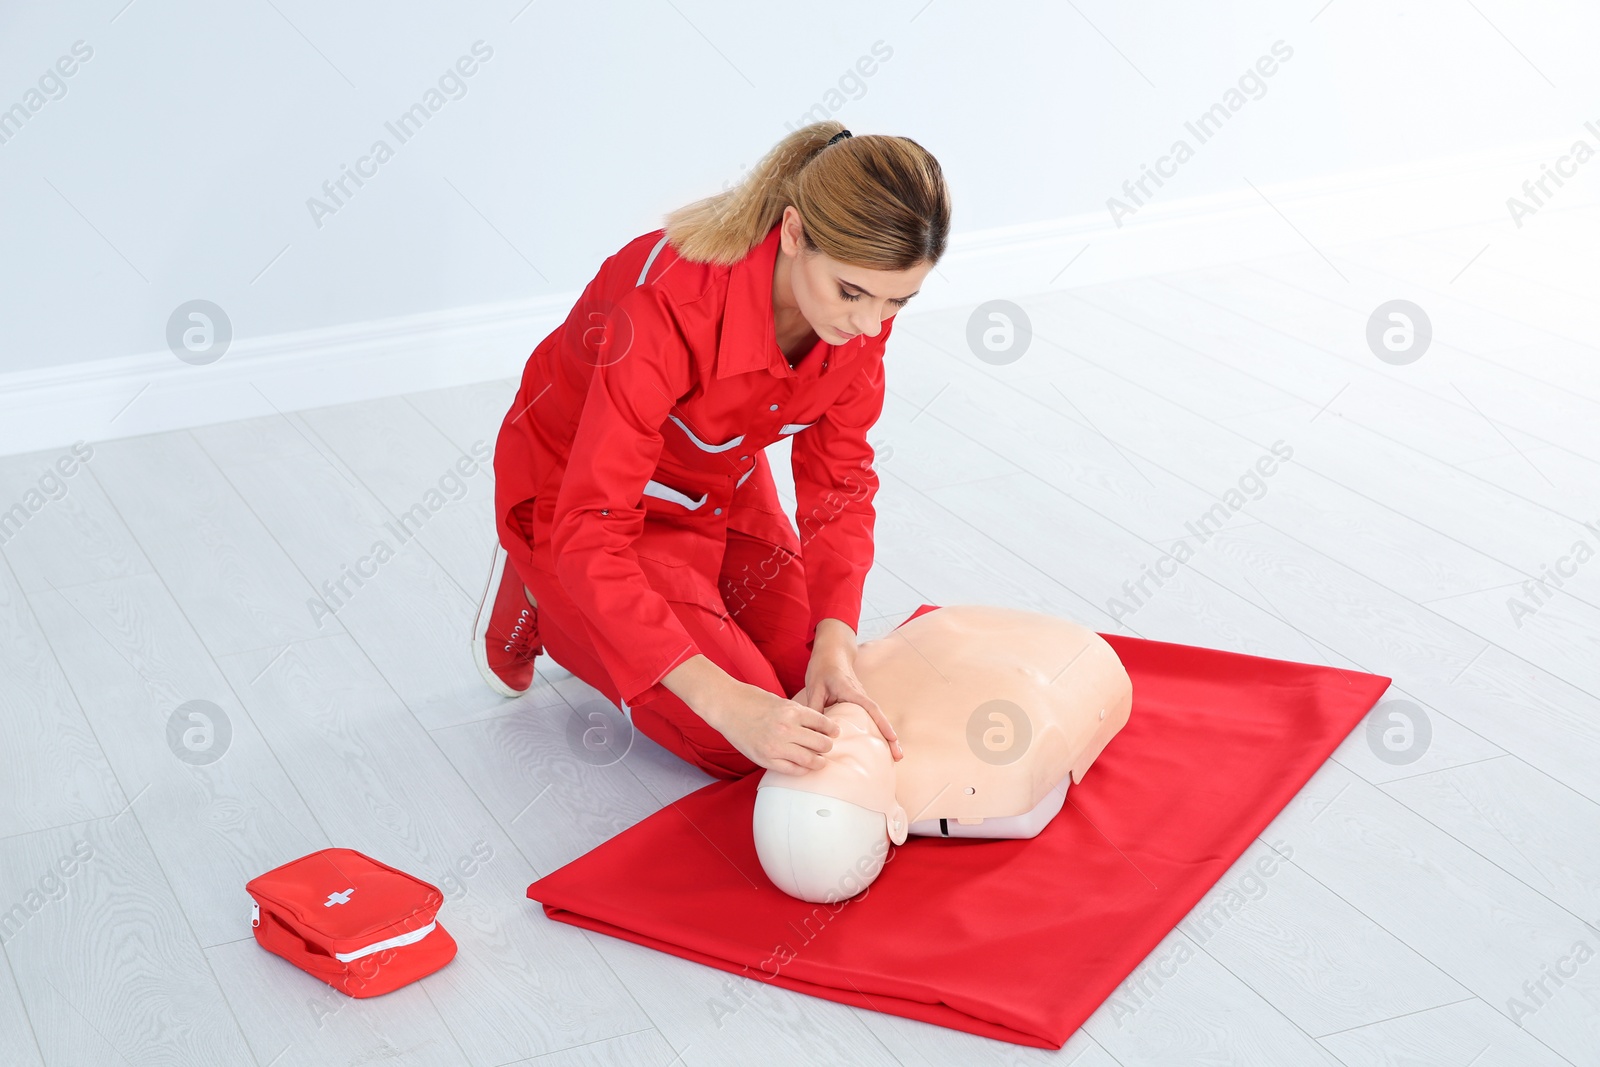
<point>1440,903</point>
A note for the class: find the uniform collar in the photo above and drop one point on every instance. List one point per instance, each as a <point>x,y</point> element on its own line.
<point>749,336</point>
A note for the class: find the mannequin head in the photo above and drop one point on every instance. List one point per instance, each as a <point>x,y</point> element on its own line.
<point>823,835</point>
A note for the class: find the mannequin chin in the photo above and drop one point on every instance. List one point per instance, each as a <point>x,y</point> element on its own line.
<point>998,711</point>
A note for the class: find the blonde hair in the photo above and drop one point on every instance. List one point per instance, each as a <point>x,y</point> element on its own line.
<point>873,201</point>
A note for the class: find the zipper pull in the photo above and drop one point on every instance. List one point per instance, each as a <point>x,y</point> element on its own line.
<point>255,914</point>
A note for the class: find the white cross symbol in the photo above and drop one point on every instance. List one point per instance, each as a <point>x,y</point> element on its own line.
<point>338,898</point>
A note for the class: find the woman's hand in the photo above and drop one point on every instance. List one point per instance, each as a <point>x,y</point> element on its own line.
<point>772,731</point>
<point>831,679</point>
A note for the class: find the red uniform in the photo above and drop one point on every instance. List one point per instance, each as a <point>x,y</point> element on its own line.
<point>633,495</point>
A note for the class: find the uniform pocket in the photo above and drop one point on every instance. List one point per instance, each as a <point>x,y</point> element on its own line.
<point>678,581</point>
<point>663,491</point>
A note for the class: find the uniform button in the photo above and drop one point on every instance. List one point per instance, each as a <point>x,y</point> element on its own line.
<point>716,511</point>
<point>605,511</point>
<point>743,458</point>
<point>773,408</point>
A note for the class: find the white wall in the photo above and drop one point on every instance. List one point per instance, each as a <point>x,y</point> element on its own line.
<point>179,161</point>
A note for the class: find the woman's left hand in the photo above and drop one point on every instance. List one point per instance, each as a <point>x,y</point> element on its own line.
<point>831,679</point>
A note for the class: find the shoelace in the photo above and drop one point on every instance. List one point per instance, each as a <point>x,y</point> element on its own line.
<point>522,635</point>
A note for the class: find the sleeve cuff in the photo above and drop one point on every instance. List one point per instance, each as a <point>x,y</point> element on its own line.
<point>647,684</point>
<point>844,604</point>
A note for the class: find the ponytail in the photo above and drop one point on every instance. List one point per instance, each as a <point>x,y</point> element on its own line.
<point>873,201</point>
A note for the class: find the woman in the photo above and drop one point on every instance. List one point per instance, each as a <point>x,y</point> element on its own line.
<point>648,551</point>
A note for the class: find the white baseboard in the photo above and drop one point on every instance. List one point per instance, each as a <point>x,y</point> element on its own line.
<point>155,392</point>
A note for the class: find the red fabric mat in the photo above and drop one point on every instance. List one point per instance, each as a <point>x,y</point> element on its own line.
<point>1015,940</point>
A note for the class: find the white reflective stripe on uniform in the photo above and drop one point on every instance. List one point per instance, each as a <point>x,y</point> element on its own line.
<point>743,476</point>
<point>394,942</point>
<point>794,427</point>
<point>666,492</point>
<point>705,445</point>
<point>659,246</point>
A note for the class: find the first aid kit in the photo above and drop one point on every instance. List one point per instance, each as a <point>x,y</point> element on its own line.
<point>362,926</point>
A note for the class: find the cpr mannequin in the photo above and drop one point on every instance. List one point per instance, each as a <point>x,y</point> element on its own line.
<point>998,710</point>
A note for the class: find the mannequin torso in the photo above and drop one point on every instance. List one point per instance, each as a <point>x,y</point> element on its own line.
<point>993,706</point>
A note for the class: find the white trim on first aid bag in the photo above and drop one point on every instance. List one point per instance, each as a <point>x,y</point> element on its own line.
<point>666,492</point>
<point>659,246</point>
<point>394,942</point>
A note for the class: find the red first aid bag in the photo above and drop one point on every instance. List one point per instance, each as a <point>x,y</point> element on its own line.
<point>359,925</point>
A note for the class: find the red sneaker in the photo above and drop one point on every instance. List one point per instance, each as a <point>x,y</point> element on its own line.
<point>505,637</point>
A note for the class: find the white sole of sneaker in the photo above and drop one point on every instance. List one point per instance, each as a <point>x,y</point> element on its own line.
<point>480,625</point>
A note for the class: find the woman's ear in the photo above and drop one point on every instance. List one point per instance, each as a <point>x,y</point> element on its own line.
<point>790,239</point>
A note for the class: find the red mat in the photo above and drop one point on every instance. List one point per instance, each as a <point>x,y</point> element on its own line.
<point>1015,940</point>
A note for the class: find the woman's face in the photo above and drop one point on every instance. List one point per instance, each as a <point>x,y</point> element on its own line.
<point>841,301</point>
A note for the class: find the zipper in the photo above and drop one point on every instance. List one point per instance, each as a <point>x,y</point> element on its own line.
<point>394,942</point>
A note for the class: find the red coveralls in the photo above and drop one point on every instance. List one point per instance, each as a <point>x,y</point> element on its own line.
<point>634,498</point>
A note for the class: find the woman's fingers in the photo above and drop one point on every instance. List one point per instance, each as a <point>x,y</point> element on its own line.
<point>812,735</point>
<point>888,733</point>
<point>800,758</point>
<point>817,721</point>
<point>895,750</point>
<point>806,750</point>
<point>885,727</point>
<point>879,717</point>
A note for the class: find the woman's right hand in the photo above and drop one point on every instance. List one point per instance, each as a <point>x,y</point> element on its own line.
<point>772,731</point>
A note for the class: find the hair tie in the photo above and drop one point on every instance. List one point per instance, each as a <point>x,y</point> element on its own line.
<point>841,135</point>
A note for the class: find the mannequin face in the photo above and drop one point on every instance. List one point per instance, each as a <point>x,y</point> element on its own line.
<point>859,769</point>
<point>836,300</point>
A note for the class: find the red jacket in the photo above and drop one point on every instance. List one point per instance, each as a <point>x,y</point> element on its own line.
<point>639,431</point>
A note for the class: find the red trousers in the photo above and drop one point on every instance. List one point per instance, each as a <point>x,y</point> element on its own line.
<point>761,641</point>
